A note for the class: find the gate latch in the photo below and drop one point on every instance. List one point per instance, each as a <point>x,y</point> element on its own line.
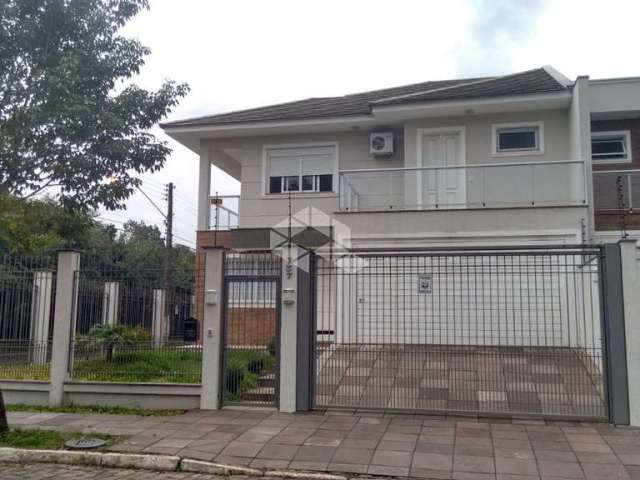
<point>288,296</point>
<point>211,297</point>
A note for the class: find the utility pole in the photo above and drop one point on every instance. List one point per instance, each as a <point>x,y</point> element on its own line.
<point>169,293</point>
<point>170,188</point>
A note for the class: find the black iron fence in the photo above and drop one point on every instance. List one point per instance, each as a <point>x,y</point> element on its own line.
<point>511,331</point>
<point>27,300</point>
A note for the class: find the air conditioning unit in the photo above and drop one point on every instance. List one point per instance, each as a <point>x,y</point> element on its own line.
<point>381,143</point>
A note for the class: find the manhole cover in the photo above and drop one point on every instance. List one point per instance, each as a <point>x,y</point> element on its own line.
<point>84,443</point>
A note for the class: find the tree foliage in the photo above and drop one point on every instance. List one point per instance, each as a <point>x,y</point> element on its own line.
<point>43,226</point>
<point>69,115</point>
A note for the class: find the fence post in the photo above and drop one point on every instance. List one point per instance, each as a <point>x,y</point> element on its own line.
<point>306,332</point>
<point>41,313</point>
<point>212,328</point>
<point>110,303</point>
<point>630,256</point>
<point>614,335</point>
<point>289,329</point>
<point>63,324</point>
<point>159,327</point>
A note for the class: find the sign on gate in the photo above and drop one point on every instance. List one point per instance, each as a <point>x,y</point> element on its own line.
<point>425,284</point>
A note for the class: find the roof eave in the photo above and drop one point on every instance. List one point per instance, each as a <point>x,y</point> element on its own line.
<point>498,104</point>
<point>190,135</point>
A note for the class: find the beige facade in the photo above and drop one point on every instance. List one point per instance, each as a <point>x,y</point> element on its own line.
<point>560,224</point>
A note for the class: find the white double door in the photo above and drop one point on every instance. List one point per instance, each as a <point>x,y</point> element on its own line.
<point>441,187</point>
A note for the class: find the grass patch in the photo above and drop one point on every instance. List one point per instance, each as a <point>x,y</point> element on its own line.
<point>25,372</point>
<point>93,409</point>
<point>155,366</point>
<point>46,439</point>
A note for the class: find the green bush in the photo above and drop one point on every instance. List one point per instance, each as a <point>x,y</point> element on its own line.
<point>242,369</point>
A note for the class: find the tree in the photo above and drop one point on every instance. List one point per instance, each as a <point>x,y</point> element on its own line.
<point>70,118</point>
<point>69,115</point>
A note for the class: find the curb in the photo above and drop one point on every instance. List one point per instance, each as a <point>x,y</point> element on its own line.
<point>165,463</point>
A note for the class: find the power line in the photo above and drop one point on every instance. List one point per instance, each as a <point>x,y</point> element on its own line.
<point>152,202</point>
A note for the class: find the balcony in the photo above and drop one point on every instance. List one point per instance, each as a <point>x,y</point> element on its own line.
<point>481,186</point>
<point>616,191</point>
<point>223,212</point>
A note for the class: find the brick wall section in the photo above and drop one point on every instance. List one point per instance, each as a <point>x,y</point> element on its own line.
<point>205,239</point>
<point>251,326</point>
<point>612,221</point>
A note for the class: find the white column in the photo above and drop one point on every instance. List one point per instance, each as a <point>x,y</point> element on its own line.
<point>289,329</point>
<point>630,256</point>
<point>204,190</point>
<point>40,314</point>
<point>580,144</point>
<point>160,325</point>
<point>110,303</point>
<point>63,324</point>
<point>212,328</point>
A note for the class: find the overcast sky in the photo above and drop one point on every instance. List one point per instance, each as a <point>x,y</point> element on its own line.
<point>238,54</point>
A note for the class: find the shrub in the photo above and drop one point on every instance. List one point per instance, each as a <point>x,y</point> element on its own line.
<point>273,346</point>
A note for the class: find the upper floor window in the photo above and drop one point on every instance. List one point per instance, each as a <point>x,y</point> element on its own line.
<point>611,147</point>
<point>303,168</point>
<point>518,139</point>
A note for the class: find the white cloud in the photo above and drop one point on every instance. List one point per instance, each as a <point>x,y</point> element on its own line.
<point>244,54</point>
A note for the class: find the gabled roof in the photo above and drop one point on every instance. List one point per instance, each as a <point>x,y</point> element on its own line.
<point>537,81</point>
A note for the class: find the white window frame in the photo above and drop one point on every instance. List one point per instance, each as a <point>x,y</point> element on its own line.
<point>304,193</point>
<point>626,134</point>
<point>497,127</point>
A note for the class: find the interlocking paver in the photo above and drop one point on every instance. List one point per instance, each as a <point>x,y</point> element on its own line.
<point>68,472</point>
<point>375,443</point>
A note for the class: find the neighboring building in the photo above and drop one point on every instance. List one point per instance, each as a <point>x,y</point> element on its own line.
<point>485,161</point>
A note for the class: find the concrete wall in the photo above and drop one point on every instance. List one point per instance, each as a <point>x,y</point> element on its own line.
<point>133,395</point>
<point>26,392</point>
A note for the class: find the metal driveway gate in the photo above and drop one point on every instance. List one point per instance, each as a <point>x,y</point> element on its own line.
<point>502,331</point>
<point>251,329</point>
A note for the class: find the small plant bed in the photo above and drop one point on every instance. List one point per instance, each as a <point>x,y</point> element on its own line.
<point>243,370</point>
<point>47,439</point>
<point>95,409</point>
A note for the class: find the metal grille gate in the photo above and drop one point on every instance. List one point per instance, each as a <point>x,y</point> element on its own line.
<point>251,329</point>
<point>502,331</point>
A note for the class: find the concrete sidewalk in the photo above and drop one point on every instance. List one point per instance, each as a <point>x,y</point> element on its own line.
<point>390,445</point>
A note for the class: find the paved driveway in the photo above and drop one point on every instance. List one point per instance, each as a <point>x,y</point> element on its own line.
<point>510,380</point>
<point>394,445</point>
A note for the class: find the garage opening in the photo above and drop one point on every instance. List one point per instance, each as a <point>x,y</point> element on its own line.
<point>505,331</point>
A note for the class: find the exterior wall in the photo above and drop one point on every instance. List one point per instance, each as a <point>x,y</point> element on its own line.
<point>478,135</point>
<point>258,210</point>
<point>501,226</point>
<point>613,221</point>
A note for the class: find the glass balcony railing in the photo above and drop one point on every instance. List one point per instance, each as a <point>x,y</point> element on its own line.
<point>616,191</point>
<point>224,212</point>
<point>499,185</point>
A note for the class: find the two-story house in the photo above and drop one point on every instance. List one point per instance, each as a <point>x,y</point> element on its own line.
<point>514,159</point>
<point>525,161</point>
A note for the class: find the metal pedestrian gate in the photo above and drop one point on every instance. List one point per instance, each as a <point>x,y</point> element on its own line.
<point>251,329</point>
<point>509,331</point>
